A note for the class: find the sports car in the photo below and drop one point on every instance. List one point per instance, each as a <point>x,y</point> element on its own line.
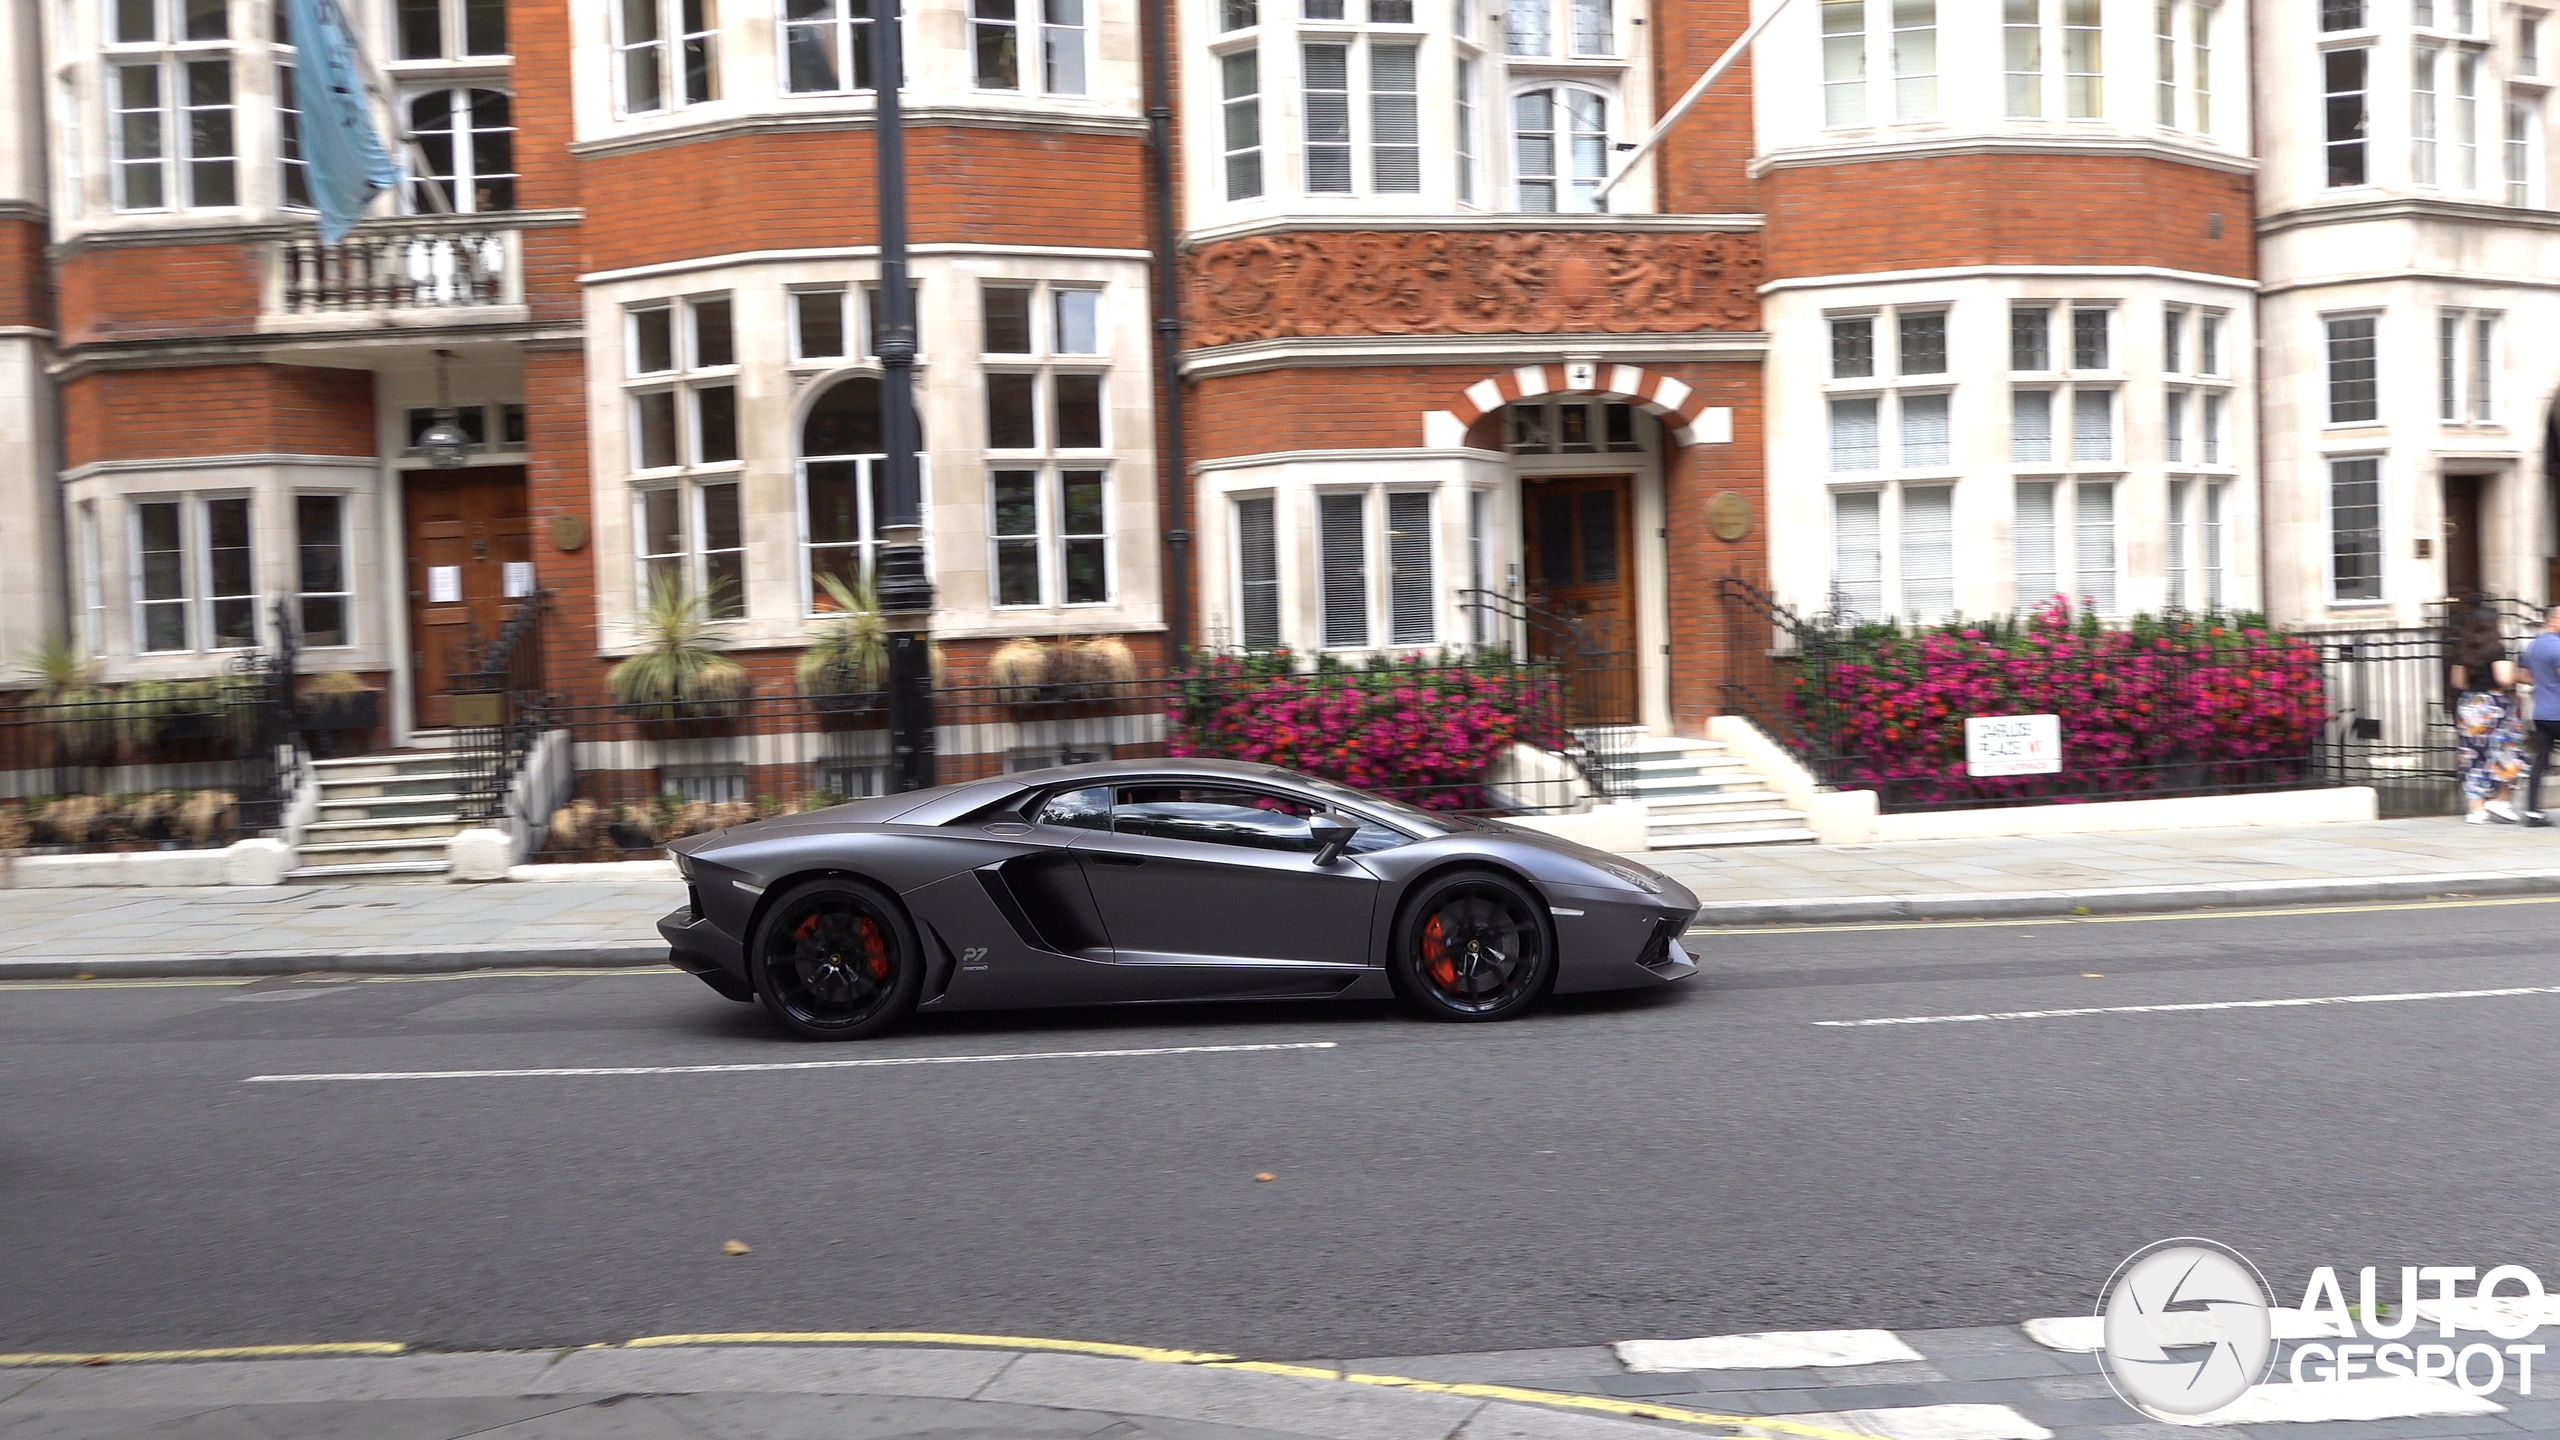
<point>1134,881</point>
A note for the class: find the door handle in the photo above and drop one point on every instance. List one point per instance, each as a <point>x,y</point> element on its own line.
<point>1105,857</point>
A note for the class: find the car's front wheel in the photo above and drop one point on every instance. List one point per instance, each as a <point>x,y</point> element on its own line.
<point>836,959</point>
<point>1473,946</point>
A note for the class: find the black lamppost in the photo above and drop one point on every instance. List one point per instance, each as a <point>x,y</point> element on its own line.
<point>905,589</point>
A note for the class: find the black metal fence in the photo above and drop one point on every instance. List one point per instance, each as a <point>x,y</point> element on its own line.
<point>2180,705</point>
<point>1481,733</point>
<point>153,764</point>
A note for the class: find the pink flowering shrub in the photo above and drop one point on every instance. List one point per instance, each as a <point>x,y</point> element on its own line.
<point>2164,706</point>
<point>1426,732</point>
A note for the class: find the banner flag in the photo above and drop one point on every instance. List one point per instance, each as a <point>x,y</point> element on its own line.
<point>347,162</point>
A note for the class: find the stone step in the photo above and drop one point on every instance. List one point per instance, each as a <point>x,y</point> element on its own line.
<point>363,767</point>
<point>421,829</point>
<point>352,852</point>
<point>1660,807</point>
<point>390,807</point>
<point>1745,817</point>
<point>374,871</point>
<point>441,782</point>
<point>1770,835</point>
<point>1709,776</point>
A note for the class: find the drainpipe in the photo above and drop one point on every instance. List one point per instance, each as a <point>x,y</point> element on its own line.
<point>1174,551</point>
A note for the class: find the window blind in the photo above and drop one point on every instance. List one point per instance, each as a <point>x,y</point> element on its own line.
<point>2031,426</point>
<point>2093,544</point>
<point>1928,552</point>
<point>2213,498</point>
<point>2032,534</point>
<point>2176,424</point>
<point>1345,569</point>
<point>1924,431</point>
<point>1328,99</point>
<point>1410,590</point>
<point>1857,553</point>
<point>1258,573</point>
<point>2179,491</point>
<point>1853,434</point>
<point>2093,429</point>
<point>1395,120</point>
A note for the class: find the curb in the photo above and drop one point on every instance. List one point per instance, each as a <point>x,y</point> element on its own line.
<point>596,955</point>
<point>2119,900</point>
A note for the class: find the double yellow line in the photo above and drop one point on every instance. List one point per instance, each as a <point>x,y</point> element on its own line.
<point>1201,1359</point>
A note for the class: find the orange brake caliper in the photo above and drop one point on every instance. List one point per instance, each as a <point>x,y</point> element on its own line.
<point>1435,956</point>
<point>875,950</point>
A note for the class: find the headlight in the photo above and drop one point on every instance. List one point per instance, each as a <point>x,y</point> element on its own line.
<point>684,864</point>
<point>1648,883</point>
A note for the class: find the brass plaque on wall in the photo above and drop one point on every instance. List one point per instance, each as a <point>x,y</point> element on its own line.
<point>1729,516</point>
<point>477,708</point>
<point>569,533</point>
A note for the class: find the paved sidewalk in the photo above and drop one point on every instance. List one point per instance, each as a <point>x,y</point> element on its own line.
<point>53,934</point>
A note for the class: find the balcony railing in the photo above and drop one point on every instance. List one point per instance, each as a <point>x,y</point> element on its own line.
<point>430,265</point>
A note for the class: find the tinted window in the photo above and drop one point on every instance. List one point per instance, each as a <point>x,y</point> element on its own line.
<point>1077,809</point>
<point>1215,815</point>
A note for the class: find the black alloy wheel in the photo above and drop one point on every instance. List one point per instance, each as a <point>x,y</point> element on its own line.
<point>837,960</point>
<point>1474,946</point>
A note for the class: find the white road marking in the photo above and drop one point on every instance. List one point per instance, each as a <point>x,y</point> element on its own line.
<point>885,1060</point>
<point>2086,1334</point>
<point>2306,1000</point>
<point>1930,1422</point>
<point>2377,1397</point>
<point>1768,1350</point>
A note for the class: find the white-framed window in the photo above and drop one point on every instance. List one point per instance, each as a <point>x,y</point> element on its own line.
<point>666,54</point>
<point>827,319</point>
<point>2209,343</point>
<point>1050,534</point>
<point>840,472</point>
<point>2217,495</point>
<point>2524,122</point>
<point>998,30</point>
<point>1376,560</point>
<point>2084,69</point>
<point>1893,551</point>
<point>681,396</point>
<point>2529,45</point>
<point>1342,535</point>
<point>2063,539</point>
<point>195,573</point>
<point>2344,116</point>
<point>2201,15</point>
<point>1915,59</point>
<point>1463,91</point>
<point>1857,553</point>
<point>2181,557</point>
<point>1046,402</point>
<point>2022,57</point>
<point>293,170</point>
<point>2336,15</point>
<point>826,46</point>
<point>2197,542</point>
<point>1531,28</point>
<point>2467,366</point>
<point>448,29</point>
<point>2354,391</point>
<point>2084,389</point>
<point>1844,63</point>
<point>1904,33</point>
<point>2209,428</point>
<point>2423,63</point>
<point>324,596</point>
<point>2466,121</point>
<point>1560,148</point>
<point>1240,105</point>
<point>93,590</point>
<point>467,135</point>
<point>2182,64</point>
<point>1911,401</point>
<point>2355,529</point>
<point>1257,573</point>
<point>170,114</point>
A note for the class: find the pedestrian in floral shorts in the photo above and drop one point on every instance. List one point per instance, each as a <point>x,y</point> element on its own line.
<point>2483,680</point>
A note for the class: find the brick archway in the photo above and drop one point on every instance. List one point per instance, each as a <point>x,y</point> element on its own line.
<point>1684,412</point>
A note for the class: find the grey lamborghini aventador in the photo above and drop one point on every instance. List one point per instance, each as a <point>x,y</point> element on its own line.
<point>1155,880</point>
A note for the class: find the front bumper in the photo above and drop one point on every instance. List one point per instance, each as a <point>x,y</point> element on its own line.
<point>696,946</point>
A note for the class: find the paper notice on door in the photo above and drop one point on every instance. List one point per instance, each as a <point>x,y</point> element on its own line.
<point>519,578</point>
<point>444,584</point>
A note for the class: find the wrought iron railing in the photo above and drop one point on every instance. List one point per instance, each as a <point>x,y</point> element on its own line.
<point>416,265</point>
<point>498,708</point>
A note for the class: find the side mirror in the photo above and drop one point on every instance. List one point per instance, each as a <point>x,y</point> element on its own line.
<point>1331,833</point>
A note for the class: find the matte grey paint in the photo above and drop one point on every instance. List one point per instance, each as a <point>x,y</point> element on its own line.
<point>1016,914</point>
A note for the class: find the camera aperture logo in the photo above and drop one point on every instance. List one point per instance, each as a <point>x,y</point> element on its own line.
<point>2188,1328</point>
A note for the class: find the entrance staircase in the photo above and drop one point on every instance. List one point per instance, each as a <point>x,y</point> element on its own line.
<point>1697,794</point>
<point>386,816</point>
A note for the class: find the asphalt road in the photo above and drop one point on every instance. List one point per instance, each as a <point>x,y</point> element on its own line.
<point>1706,1160</point>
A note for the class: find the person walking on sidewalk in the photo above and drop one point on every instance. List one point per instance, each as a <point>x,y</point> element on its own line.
<point>2542,663</point>
<point>2483,681</point>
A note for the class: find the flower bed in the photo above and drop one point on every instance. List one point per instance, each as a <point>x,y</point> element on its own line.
<point>2184,705</point>
<point>1424,731</point>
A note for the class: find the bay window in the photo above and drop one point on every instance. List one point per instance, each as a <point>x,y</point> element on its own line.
<point>195,574</point>
<point>1376,552</point>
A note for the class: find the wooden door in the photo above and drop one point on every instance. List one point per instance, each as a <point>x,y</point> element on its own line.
<point>1580,545</point>
<point>470,549</point>
<point>2462,534</point>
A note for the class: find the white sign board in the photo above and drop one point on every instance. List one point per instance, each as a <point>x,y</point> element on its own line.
<point>444,584</point>
<point>2012,744</point>
<point>519,576</point>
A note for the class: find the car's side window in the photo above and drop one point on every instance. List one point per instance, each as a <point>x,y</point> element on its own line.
<point>1373,836</point>
<point>1214,815</point>
<point>1088,809</point>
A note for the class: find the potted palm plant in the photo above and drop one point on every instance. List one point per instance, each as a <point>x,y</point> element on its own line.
<point>336,700</point>
<point>848,655</point>
<point>677,674</point>
<point>79,718</point>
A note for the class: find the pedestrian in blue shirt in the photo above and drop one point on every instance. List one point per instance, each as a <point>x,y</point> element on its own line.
<point>2542,663</point>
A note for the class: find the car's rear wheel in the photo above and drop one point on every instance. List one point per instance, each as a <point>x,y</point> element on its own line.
<point>1473,946</point>
<point>836,959</point>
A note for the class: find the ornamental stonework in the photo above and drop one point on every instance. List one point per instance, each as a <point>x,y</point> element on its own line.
<point>1430,282</point>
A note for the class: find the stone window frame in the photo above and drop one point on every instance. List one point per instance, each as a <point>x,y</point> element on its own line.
<point>1377,566</point>
<point>345,593</point>
<point>681,27</point>
<point>1049,539</point>
<point>170,54</point>
<point>196,600</point>
<point>2330,465</point>
<point>689,473</point>
<point>848,43</point>
<point>1031,70</point>
<point>459,199</point>
<point>1612,125</point>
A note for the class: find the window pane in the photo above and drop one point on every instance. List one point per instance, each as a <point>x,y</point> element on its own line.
<point>1923,343</point>
<point>1087,582</point>
<point>653,349</point>
<point>2353,395</point>
<point>1857,554</point>
<point>1258,574</point>
<point>1555,539</point>
<point>1528,27</point>
<point>484,27</point>
<point>654,423</point>
<point>1853,434</point>
<point>1011,404</point>
<point>2093,428</point>
<point>1395,135</point>
<point>231,577</point>
<point>1079,322</point>
<point>137,22</point>
<point>1017,505</point>
<point>661,522</point>
<point>712,342</point>
<point>1062,47</point>
<point>2089,336</point>
<point>421,25</point>
<point>208,19</point>
<point>1080,502</point>
<point>2093,544</point>
<point>1343,521</point>
<point>1924,431</point>
<point>1410,589</point>
<point>2031,426</point>
<point>715,430</point>
<point>2033,538</point>
<point>1017,572</point>
<point>1327,72</point>
<point>1853,347</point>
<point>821,317</point>
<point>1007,319</point>
<point>994,43</point>
<point>321,536</point>
<point>163,569</point>
<point>1079,417</point>
<point>835,503</point>
<point>1928,552</point>
<point>1592,34</point>
<point>845,421</point>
